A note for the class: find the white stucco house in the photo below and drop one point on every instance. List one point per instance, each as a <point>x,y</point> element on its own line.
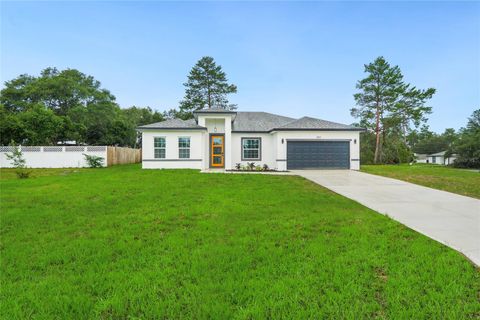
<point>440,158</point>
<point>436,158</point>
<point>218,138</point>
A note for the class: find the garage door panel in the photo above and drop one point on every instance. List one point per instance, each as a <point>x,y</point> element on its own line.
<point>318,154</point>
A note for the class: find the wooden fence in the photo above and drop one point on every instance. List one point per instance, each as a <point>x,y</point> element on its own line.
<point>118,155</point>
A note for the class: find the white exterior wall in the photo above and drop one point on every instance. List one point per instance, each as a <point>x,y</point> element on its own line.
<point>172,161</point>
<point>55,156</point>
<point>438,159</point>
<point>228,144</point>
<point>267,149</point>
<point>281,149</point>
<point>450,160</point>
<point>441,160</point>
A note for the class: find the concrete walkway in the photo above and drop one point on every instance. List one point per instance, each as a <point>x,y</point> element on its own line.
<point>449,218</point>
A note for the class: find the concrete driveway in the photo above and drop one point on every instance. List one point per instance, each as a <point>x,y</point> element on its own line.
<point>449,218</point>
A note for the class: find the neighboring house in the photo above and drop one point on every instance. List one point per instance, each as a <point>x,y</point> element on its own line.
<point>218,138</point>
<point>440,158</point>
<point>420,157</point>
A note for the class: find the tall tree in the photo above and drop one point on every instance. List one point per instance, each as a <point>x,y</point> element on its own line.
<point>468,144</point>
<point>379,92</point>
<point>389,106</point>
<point>207,87</point>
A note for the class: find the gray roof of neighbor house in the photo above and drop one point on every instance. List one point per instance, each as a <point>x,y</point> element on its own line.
<point>441,153</point>
<point>256,122</point>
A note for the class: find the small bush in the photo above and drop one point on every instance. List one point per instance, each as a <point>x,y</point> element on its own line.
<point>18,162</point>
<point>265,167</point>
<point>238,166</point>
<point>251,165</point>
<point>258,168</point>
<point>23,173</point>
<point>94,161</point>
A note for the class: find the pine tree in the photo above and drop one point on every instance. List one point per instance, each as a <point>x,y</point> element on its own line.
<point>388,105</point>
<point>207,87</point>
<point>380,91</point>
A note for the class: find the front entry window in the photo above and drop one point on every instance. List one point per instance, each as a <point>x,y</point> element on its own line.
<point>251,148</point>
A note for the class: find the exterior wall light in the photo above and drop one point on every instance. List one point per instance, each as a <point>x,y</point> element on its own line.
<point>282,140</point>
<point>354,141</point>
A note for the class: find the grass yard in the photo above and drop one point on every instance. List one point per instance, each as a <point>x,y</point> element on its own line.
<point>125,243</point>
<point>460,181</point>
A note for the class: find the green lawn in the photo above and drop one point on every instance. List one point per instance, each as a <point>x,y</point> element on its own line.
<point>461,181</point>
<point>125,243</point>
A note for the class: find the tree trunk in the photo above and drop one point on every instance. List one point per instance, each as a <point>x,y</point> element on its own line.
<point>209,97</point>
<point>377,133</point>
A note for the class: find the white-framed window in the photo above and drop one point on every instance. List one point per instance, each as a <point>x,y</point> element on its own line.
<point>159,146</point>
<point>251,148</point>
<point>184,147</point>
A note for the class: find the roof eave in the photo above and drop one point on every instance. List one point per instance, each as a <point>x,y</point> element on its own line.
<point>318,129</point>
<point>215,112</point>
<point>170,128</point>
<point>250,131</point>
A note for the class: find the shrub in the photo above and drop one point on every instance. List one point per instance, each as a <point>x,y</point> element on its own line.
<point>238,166</point>
<point>94,161</point>
<point>19,162</point>
<point>258,168</point>
<point>251,165</point>
<point>467,163</point>
<point>265,167</point>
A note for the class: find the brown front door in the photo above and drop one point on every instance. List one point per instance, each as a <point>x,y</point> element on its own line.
<point>217,156</point>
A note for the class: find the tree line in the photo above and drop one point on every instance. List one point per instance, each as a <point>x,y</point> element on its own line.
<point>67,105</point>
<point>395,114</point>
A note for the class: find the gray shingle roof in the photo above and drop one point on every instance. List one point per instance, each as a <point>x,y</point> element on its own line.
<point>258,121</point>
<point>173,124</point>
<point>313,123</point>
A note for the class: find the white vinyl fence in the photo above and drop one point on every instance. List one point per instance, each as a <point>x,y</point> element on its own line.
<point>54,156</point>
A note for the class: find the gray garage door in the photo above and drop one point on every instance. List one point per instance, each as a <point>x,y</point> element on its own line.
<point>318,155</point>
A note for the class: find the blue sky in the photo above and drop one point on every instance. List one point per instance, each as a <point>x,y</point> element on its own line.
<point>291,58</point>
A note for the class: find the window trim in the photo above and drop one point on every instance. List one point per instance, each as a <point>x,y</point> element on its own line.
<point>184,148</point>
<point>164,148</point>
<point>259,149</point>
